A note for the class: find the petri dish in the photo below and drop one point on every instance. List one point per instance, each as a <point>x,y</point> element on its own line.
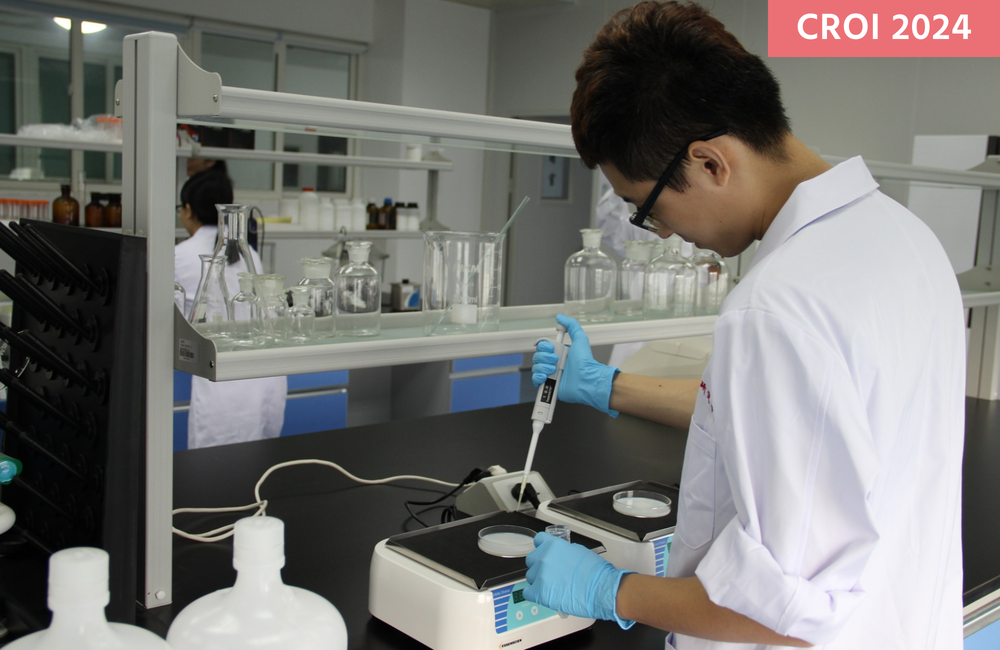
<point>642,504</point>
<point>507,541</point>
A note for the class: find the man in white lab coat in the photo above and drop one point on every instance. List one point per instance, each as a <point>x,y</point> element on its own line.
<point>821,487</point>
<point>222,412</point>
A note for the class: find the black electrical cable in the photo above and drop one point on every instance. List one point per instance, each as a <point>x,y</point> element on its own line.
<point>475,475</point>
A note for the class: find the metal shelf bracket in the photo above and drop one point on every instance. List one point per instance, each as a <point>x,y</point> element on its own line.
<point>198,92</point>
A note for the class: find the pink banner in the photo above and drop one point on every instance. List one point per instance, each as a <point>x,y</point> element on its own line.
<point>877,28</point>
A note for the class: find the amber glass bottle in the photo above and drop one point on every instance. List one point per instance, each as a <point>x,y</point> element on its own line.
<point>113,211</point>
<point>93,214</point>
<point>65,209</point>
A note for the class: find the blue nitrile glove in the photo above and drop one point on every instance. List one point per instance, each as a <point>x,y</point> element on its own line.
<point>584,381</point>
<point>572,579</point>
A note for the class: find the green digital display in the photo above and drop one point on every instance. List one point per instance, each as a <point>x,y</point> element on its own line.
<point>518,596</point>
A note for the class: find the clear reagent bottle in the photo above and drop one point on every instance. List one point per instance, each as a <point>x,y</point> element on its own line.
<point>316,276</point>
<point>260,612</point>
<point>359,294</point>
<point>589,281</point>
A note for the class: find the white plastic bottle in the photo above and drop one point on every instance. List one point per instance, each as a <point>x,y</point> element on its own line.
<point>359,217</point>
<point>326,215</point>
<point>589,281</point>
<point>309,209</point>
<point>260,612</point>
<point>78,594</point>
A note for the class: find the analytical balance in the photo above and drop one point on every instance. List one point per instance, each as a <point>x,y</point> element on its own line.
<point>636,531</point>
<point>440,587</point>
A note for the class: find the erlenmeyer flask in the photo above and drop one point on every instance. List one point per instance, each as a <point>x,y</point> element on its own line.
<point>212,313</point>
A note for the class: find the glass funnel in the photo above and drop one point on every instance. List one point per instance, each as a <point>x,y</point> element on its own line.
<point>463,282</point>
<point>589,281</point>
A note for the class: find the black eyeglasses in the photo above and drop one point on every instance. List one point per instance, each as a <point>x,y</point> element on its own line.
<point>640,218</point>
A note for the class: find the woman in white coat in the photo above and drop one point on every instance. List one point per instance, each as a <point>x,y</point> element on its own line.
<point>227,411</point>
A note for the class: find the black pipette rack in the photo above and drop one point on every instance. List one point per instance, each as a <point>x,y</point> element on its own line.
<point>76,394</point>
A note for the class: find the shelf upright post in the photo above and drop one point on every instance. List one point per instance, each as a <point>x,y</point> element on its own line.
<point>983,364</point>
<point>149,111</point>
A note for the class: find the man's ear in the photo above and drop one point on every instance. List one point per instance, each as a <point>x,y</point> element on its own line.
<point>710,162</point>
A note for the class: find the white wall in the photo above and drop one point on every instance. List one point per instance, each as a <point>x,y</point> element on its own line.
<point>839,106</point>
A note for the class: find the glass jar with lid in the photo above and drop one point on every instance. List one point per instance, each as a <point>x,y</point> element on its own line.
<point>670,284</point>
<point>359,294</point>
<point>316,276</point>
<point>589,281</point>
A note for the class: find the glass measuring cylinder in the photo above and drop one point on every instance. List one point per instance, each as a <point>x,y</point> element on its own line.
<point>589,281</point>
<point>463,282</point>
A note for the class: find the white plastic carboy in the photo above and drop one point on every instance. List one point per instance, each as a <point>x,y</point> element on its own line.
<point>78,594</point>
<point>260,612</point>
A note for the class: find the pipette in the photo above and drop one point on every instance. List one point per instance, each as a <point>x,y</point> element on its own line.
<point>545,405</point>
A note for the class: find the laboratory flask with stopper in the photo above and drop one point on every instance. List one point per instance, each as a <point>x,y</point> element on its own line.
<point>589,281</point>
<point>316,276</point>
<point>260,612</point>
<point>359,294</point>
<point>463,282</point>
<point>276,305</point>
<point>632,277</point>
<point>712,282</point>
<point>670,283</point>
<point>78,594</point>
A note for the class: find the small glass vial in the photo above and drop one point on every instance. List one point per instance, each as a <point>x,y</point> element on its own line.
<point>248,316</point>
<point>632,278</point>
<point>359,294</point>
<point>670,283</point>
<point>316,272</point>
<point>589,281</point>
<point>180,298</point>
<point>711,284</point>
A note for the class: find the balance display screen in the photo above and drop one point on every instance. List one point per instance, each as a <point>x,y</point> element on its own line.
<point>518,596</point>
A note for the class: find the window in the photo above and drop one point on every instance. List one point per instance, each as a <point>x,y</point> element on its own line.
<point>8,110</point>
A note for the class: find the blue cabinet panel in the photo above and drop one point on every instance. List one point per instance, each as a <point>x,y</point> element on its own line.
<point>987,638</point>
<point>485,392</point>
<point>481,363</point>
<point>180,430</point>
<point>317,380</point>
<point>319,413</point>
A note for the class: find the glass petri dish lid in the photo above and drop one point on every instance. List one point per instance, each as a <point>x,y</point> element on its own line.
<point>642,504</point>
<point>507,541</point>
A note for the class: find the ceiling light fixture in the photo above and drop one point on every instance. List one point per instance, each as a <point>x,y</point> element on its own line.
<point>87,27</point>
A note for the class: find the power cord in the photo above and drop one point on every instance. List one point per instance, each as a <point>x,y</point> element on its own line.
<point>448,512</point>
<point>224,532</point>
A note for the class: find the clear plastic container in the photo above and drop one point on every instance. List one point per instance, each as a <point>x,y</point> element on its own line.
<point>309,209</point>
<point>712,282</point>
<point>301,317</point>
<point>78,594</point>
<point>359,294</point>
<point>316,276</point>
<point>670,284</point>
<point>463,282</point>
<point>632,277</point>
<point>589,281</point>
<point>260,612</point>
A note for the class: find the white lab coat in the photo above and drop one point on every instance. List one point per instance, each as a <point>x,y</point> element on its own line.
<point>227,411</point>
<point>821,488</point>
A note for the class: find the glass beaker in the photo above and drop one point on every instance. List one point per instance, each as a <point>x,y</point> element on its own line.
<point>463,282</point>
<point>248,316</point>
<point>316,272</point>
<point>632,278</point>
<point>276,304</point>
<point>670,283</point>
<point>711,283</point>
<point>359,294</point>
<point>301,317</point>
<point>589,281</point>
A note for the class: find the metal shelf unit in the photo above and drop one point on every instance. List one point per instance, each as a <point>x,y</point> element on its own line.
<point>161,86</point>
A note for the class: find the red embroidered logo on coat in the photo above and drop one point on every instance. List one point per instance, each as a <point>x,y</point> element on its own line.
<point>708,396</point>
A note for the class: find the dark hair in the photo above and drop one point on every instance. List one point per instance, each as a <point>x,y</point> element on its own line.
<point>202,192</point>
<point>660,75</point>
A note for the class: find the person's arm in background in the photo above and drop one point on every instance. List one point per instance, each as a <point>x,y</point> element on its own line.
<point>585,381</point>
